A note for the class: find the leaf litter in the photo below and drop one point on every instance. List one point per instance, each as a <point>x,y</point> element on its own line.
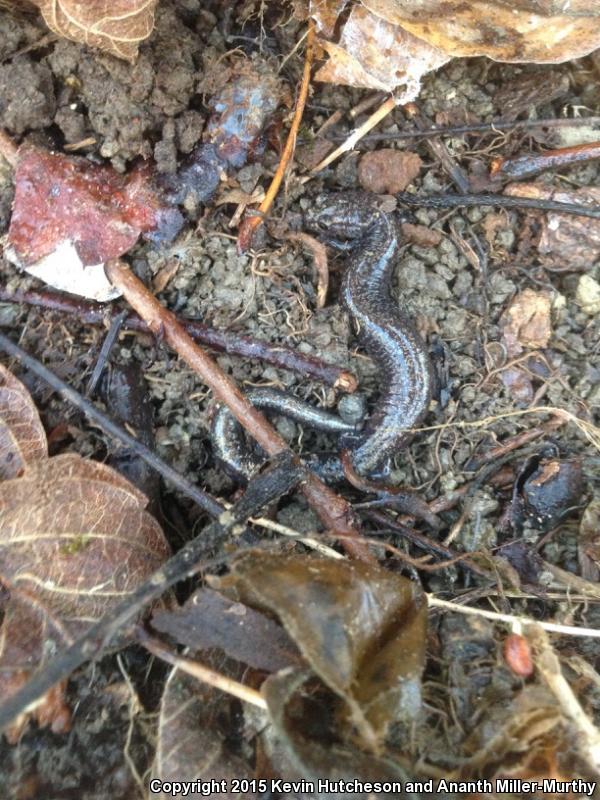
<point>530,736</point>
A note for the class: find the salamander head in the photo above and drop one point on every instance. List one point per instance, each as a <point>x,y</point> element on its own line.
<point>341,216</point>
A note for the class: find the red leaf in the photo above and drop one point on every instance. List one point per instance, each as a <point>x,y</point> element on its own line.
<point>67,199</point>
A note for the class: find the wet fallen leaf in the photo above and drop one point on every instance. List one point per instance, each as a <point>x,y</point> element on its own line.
<point>70,216</point>
<point>374,54</point>
<point>117,26</point>
<point>526,322</point>
<point>74,540</point>
<point>298,755</point>
<point>209,620</point>
<point>197,727</point>
<point>388,171</point>
<point>361,628</point>
<point>566,242</point>
<point>22,435</point>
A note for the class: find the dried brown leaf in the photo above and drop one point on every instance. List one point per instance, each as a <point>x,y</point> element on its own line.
<point>22,436</point>
<point>74,540</point>
<point>360,627</point>
<point>373,54</point>
<point>542,31</point>
<point>117,26</point>
<point>385,44</point>
<point>195,722</point>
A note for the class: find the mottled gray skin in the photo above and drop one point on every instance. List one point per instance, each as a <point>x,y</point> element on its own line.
<point>354,223</point>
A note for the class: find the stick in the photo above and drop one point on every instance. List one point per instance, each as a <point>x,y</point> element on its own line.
<point>334,511</point>
<point>223,341</point>
<point>261,491</point>
<point>496,200</point>
<point>251,223</point>
<point>202,498</point>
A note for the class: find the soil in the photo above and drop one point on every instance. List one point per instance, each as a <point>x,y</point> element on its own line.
<point>61,93</point>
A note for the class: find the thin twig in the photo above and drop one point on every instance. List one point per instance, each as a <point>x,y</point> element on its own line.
<point>202,498</point>
<point>483,127</point>
<point>205,674</point>
<point>279,355</point>
<point>251,223</point>
<point>552,627</point>
<point>497,201</point>
<point>334,512</point>
<point>438,148</point>
<point>356,135</point>
<point>319,253</point>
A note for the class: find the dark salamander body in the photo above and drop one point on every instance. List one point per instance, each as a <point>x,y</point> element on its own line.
<point>385,331</point>
<point>354,224</point>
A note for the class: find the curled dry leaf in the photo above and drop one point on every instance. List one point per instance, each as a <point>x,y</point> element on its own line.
<point>22,436</point>
<point>70,216</point>
<point>196,726</point>
<point>542,31</point>
<point>117,26</point>
<point>74,540</point>
<point>374,54</point>
<point>361,628</point>
<point>388,43</point>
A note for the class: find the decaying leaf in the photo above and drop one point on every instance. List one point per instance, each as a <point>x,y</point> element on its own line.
<point>514,733</point>
<point>197,727</point>
<point>298,756</point>
<point>375,54</point>
<point>566,242</point>
<point>542,31</point>
<point>526,322</point>
<point>70,216</point>
<point>74,540</point>
<point>117,26</point>
<point>388,43</point>
<point>361,628</point>
<point>22,436</point>
<point>208,620</point>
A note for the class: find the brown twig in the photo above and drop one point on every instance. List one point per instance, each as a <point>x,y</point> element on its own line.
<point>520,167</point>
<point>438,149</point>
<point>334,511</point>
<point>251,223</point>
<point>356,135</point>
<point>8,149</point>
<point>223,341</point>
